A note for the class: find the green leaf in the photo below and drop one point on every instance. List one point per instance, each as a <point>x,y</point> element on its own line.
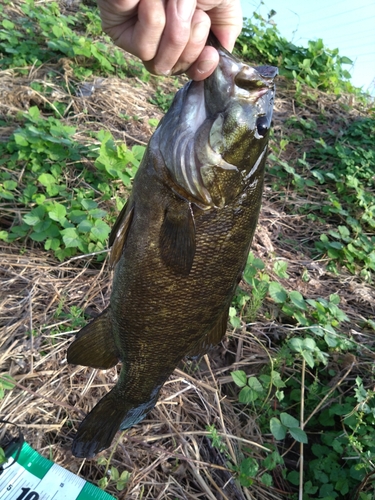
<point>89,204</point>
<point>266,479</point>
<point>239,378</point>
<point>7,195</point>
<point>97,213</point>
<point>247,395</point>
<point>309,343</point>
<point>4,235</point>
<point>20,140</point>
<point>344,231</point>
<point>276,380</point>
<point>8,25</point>
<point>296,344</point>
<point>334,299</point>
<point>293,477</point>
<point>57,31</point>
<point>288,420</point>
<point>125,475</point>
<point>103,483</point>
<point>272,460</point>
<point>36,215</point>
<point>52,244</point>
<point>345,60</point>
<point>85,226</point>
<point>278,429</point>
<point>3,458</point>
<point>114,473</point>
<point>34,113</point>
<point>298,434</point>
<point>309,358</point>
<point>254,384</point>
<point>277,292</point>
<point>154,122</point>
<point>298,300</point>
<point>58,212</point>
<point>248,470</point>
<point>7,382</point>
<point>280,268</point>
<point>100,230</point>
<point>330,340</point>
<point>71,238</point>
<point>124,479</point>
<point>77,216</point>
<point>47,180</point>
<point>11,185</point>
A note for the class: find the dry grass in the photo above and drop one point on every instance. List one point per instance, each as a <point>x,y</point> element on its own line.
<point>169,455</point>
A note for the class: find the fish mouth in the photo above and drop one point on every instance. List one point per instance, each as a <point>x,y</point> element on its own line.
<point>261,92</point>
<point>258,78</point>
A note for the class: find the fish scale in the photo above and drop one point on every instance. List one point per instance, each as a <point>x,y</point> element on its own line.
<point>178,252</point>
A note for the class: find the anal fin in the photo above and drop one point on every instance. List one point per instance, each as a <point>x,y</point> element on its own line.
<point>94,345</point>
<point>177,238</point>
<point>212,338</point>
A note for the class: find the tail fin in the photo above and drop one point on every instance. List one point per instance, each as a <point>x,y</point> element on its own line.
<point>98,429</point>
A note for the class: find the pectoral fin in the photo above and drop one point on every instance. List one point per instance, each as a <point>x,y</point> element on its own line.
<point>212,338</point>
<point>94,345</point>
<point>177,238</point>
<point>119,233</point>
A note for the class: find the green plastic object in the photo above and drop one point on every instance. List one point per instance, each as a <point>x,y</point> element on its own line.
<point>29,476</point>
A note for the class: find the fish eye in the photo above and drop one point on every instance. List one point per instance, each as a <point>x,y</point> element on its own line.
<point>262,125</point>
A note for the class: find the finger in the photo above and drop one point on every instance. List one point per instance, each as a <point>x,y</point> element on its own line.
<point>149,29</point>
<point>226,20</point>
<point>175,37</point>
<point>113,13</point>
<point>200,27</point>
<point>138,30</point>
<point>205,65</point>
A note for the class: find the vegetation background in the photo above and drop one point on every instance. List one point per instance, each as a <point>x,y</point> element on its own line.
<point>285,407</point>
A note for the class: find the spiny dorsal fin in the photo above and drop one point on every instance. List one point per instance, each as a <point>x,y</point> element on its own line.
<point>94,345</point>
<point>119,233</point>
<point>177,238</point>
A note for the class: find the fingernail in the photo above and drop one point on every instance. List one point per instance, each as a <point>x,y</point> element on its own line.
<point>185,9</point>
<point>200,32</point>
<point>161,72</point>
<point>205,66</point>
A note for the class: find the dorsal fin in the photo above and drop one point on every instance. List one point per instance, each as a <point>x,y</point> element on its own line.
<point>119,233</point>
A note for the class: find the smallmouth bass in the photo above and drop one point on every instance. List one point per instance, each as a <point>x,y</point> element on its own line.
<point>180,244</point>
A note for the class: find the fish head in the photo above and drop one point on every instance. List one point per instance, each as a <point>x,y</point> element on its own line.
<point>214,137</point>
<point>241,98</point>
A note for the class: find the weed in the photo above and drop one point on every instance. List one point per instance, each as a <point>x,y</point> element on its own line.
<point>162,100</point>
<point>66,219</point>
<point>7,383</point>
<point>314,65</point>
<point>273,398</point>
<point>120,480</point>
<point>248,469</point>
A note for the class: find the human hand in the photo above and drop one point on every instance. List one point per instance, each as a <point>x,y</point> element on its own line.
<point>170,35</point>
